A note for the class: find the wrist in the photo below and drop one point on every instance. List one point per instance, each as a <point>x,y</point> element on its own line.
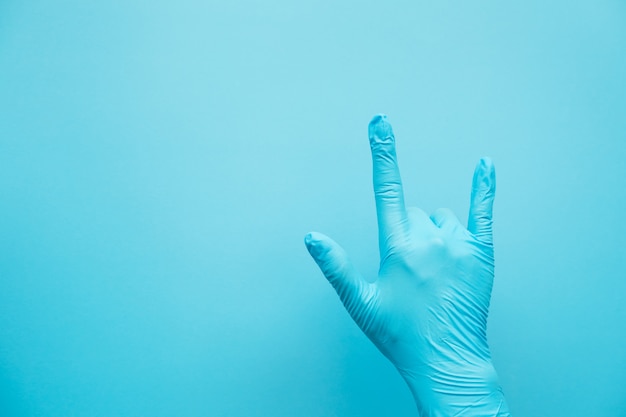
<point>456,388</point>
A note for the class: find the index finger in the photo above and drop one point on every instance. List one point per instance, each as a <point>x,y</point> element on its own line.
<point>390,209</point>
<point>481,205</point>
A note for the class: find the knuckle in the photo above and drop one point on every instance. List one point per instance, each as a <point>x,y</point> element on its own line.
<point>388,189</point>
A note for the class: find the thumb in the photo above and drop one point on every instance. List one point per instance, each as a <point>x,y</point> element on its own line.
<point>339,270</point>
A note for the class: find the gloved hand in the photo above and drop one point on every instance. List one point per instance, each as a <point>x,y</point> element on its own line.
<point>427,310</point>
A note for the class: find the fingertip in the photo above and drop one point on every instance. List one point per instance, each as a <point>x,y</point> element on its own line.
<point>314,242</point>
<point>309,242</point>
<point>378,118</point>
<point>485,175</point>
<point>379,130</point>
<point>486,162</point>
<point>308,238</point>
<point>313,237</point>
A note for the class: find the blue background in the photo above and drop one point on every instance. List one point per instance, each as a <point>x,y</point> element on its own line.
<point>160,163</point>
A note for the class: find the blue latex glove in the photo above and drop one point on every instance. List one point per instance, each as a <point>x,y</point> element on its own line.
<point>427,311</point>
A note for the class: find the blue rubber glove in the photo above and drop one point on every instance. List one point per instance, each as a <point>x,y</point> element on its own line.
<point>427,311</point>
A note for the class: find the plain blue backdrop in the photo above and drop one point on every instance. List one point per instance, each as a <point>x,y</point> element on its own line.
<point>160,163</point>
